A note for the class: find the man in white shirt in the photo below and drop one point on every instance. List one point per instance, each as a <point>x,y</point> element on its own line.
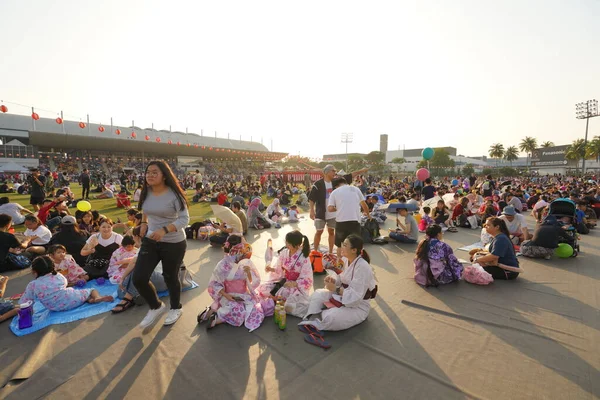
<point>15,210</point>
<point>516,224</point>
<point>346,201</point>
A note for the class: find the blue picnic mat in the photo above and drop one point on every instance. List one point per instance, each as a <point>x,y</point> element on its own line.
<point>42,317</point>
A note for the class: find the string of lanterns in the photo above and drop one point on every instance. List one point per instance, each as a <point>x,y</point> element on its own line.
<point>266,156</point>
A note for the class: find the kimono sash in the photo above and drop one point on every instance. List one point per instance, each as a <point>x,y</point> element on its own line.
<point>291,275</point>
<point>236,286</point>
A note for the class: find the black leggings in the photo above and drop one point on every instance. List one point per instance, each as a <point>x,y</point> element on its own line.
<point>499,273</point>
<point>171,255</point>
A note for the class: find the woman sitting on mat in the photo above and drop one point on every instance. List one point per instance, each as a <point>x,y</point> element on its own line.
<point>435,262</point>
<point>50,289</point>
<point>292,277</point>
<point>346,296</point>
<point>501,262</point>
<point>232,287</point>
<point>100,247</point>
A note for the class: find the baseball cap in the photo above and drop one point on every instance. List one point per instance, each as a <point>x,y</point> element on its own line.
<point>68,220</point>
<point>509,210</point>
<point>328,168</point>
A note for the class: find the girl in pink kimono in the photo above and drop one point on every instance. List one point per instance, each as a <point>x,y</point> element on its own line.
<point>292,277</point>
<point>120,259</point>
<point>50,289</point>
<point>232,287</point>
<point>66,264</point>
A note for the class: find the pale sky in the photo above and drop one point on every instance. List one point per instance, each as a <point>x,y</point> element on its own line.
<point>428,73</point>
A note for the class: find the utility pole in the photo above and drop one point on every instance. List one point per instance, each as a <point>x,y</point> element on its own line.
<point>347,138</point>
<point>586,110</point>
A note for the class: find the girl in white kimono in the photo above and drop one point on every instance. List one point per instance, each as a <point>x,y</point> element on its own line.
<point>346,296</point>
<point>232,287</point>
<point>292,277</point>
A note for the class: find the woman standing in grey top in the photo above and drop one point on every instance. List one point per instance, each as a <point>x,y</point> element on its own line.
<point>165,215</point>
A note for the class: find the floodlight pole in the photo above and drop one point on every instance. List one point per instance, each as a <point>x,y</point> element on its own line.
<point>347,138</point>
<point>586,110</point>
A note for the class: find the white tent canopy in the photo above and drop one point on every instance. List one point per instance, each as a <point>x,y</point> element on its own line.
<point>12,167</point>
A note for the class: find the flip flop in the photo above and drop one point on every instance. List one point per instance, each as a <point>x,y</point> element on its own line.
<point>317,340</point>
<point>202,317</point>
<point>310,329</point>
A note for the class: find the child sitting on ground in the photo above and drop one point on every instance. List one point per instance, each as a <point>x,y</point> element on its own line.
<point>66,264</point>
<point>426,220</point>
<point>7,308</point>
<point>121,258</point>
<point>50,289</point>
<point>293,215</point>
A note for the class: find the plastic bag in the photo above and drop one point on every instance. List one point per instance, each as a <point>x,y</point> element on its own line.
<point>477,275</point>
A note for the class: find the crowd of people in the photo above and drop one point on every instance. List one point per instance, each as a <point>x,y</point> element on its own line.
<point>64,251</point>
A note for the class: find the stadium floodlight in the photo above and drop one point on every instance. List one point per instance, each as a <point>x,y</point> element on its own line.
<point>586,110</point>
<point>347,138</point>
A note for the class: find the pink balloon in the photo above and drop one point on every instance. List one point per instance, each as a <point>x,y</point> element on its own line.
<point>422,174</point>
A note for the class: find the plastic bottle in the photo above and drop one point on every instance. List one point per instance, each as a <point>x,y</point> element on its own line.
<point>282,318</point>
<point>276,313</point>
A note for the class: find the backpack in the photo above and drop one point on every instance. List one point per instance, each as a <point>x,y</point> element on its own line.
<point>316,260</point>
<point>369,231</point>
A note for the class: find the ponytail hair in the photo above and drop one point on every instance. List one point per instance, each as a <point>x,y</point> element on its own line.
<point>43,265</point>
<point>356,242</point>
<point>296,238</point>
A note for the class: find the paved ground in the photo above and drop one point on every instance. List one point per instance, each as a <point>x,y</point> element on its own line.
<point>537,337</point>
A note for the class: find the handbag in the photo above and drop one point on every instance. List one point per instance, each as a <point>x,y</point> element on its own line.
<point>19,260</point>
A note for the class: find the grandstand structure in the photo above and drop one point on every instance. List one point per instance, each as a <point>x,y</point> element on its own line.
<point>27,142</point>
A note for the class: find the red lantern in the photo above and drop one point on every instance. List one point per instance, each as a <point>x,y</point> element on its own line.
<point>35,116</point>
<point>3,108</point>
<point>178,144</point>
<point>170,142</point>
<point>216,149</point>
<point>118,131</point>
<point>196,146</point>
<point>157,140</point>
<point>203,147</point>
<point>82,125</point>
<point>101,128</point>
<point>147,137</point>
<point>59,120</point>
<point>210,148</point>
<point>133,135</point>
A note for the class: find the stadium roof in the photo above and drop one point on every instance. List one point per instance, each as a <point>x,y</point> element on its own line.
<point>48,133</point>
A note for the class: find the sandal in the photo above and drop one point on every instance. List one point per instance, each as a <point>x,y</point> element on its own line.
<point>317,340</point>
<point>310,329</point>
<point>124,305</point>
<point>212,322</point>
<point>204,315</point>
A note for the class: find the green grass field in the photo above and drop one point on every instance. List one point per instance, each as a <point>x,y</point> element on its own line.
<point>198,211</point>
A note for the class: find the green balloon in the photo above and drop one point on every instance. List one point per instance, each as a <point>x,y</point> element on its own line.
<point>563,251</point>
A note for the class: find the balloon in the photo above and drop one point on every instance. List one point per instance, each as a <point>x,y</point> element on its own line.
<point>84,206</point>
<point>454,182</point>
<point>563,250</point>
<point>422,174</point>
<point>427,153</point>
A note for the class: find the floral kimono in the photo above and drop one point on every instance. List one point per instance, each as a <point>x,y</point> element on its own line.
<point>443,264</point>
<point>115,272</point>
<point>296,268</point>
<point>52,291</point>
<point>230,276</point>
<point>70,269</point>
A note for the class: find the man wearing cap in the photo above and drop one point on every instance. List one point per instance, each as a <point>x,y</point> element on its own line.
<point>318,200</point>
<point>516,224</point>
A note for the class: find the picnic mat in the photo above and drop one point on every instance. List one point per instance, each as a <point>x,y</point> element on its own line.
<point>42,317</point>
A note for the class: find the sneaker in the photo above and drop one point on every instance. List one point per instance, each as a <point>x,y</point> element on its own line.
<point>547,257</point>
<point>153,315</point>
<point>173,316</point>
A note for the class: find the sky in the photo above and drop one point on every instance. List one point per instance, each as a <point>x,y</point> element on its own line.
<point>462,73</point>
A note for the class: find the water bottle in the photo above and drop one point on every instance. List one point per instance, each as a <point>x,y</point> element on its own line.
<point>26,315</point>
<point>282,318</point>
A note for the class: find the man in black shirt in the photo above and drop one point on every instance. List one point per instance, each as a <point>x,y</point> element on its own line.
<point>428,191</point>
<point>37,182</point>
<point>84,179</point>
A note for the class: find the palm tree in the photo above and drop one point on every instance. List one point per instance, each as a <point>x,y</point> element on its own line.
<point>593,148</point>
<point>511,154</point>
<point>547,144</point>
<point>496,151</point>
<point>528,145</point>
<point>576,151</point>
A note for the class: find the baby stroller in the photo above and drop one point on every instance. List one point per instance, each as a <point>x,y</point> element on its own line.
<point>561,208</point>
